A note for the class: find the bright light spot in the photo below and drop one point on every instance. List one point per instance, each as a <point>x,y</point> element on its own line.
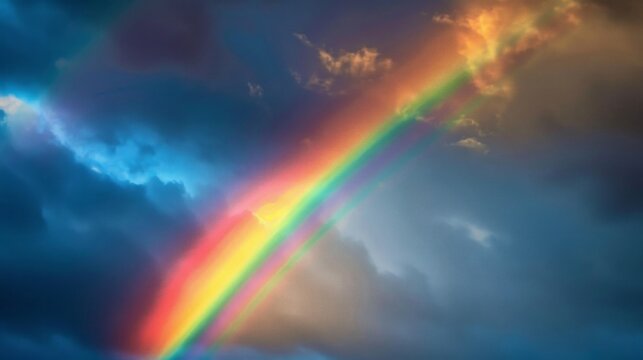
<point>273,213</point>
<point>22,117</point>
<point>10,104</point>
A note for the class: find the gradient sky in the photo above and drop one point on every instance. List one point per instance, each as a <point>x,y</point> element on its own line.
<point>128,127</point>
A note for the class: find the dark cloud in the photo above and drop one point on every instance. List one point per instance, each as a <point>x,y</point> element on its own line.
<point>165,33</point>
<point>49,347</point>
<point>609,169</point>
<point>597,97</point>
<point>93,12</point>
<point>245,353</point>
<point>628,10</point>
<point>35,34</point>
<point>79,252</point>
<point>169,68</point>
<point>182,69</point>
<point>553,282</point>
<point>594,113</point>
<point>20,213</point>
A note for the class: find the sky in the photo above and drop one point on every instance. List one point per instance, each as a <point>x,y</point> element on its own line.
<point>321,180</point>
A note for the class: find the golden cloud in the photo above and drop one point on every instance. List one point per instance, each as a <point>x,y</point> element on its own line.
<point>481,27</point>
<point>363,62</point>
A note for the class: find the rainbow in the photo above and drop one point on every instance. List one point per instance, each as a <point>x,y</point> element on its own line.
<point>217,284</point>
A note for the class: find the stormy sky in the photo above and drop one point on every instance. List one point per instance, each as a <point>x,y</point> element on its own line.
<point>127,128</point>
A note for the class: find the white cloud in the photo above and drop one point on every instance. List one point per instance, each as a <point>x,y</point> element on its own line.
<point>314,82</point>
<point>255,90</point>
<point>471,126</point>
<point>472,144</point>
<point>138,160</point>
<point>304,39</point>
<point>474,232</point>
<point>444,19</point>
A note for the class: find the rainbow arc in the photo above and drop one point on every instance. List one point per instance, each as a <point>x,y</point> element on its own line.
<point>217,285</point>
